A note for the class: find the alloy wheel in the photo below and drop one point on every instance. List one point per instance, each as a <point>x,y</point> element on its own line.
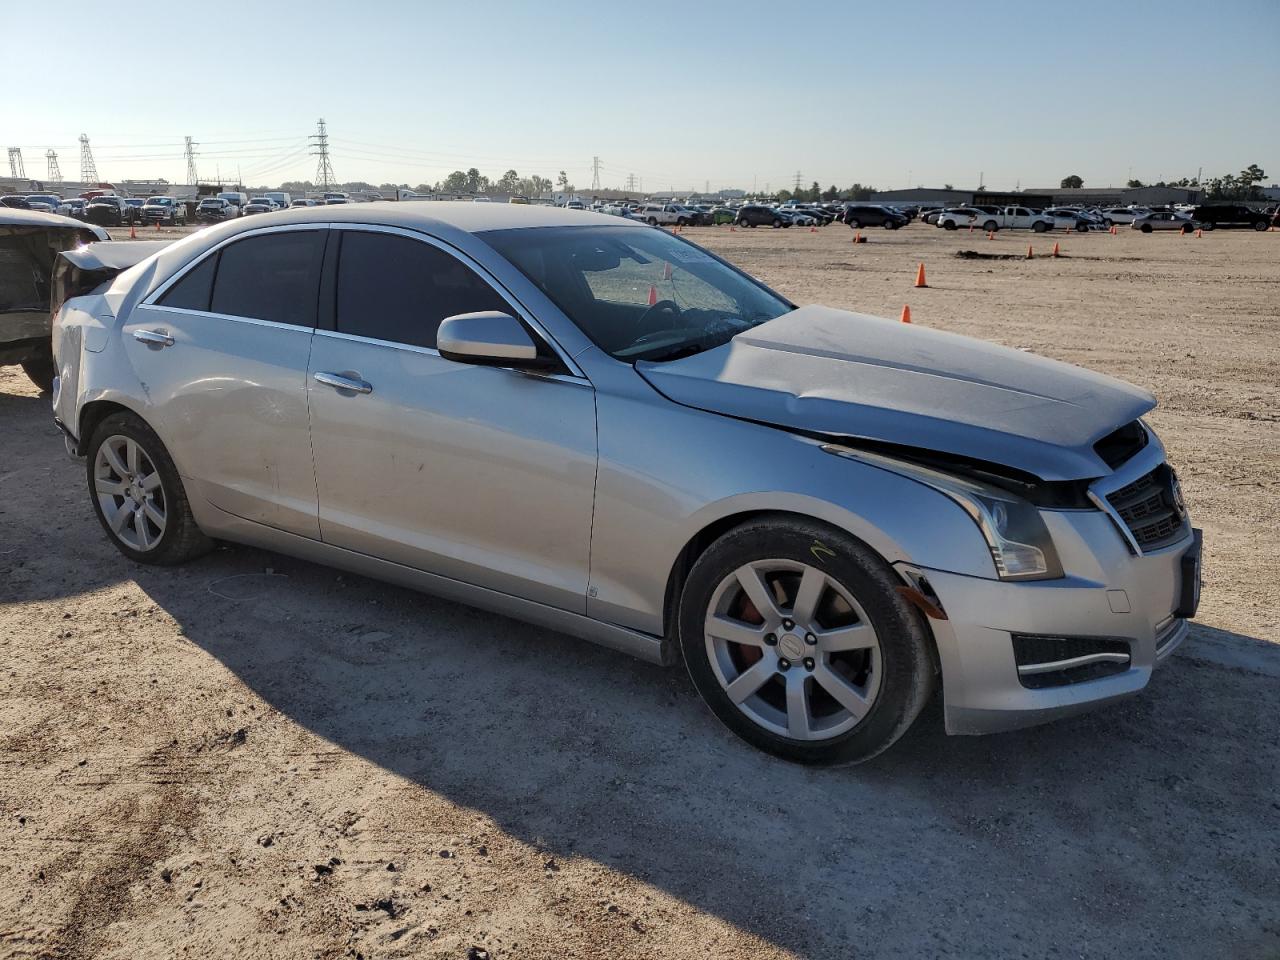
<point>793,649</point>
<point>130,493</point>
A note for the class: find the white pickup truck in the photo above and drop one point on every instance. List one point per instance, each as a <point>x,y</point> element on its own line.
<point>990,219</point>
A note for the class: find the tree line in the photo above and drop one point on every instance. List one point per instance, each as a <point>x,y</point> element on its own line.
<point>1244,185</point>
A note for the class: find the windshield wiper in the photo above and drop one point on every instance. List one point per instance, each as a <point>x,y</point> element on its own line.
<point>678,352</point>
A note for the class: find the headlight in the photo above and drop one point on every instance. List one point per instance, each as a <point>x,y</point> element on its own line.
<point>1020,545</point>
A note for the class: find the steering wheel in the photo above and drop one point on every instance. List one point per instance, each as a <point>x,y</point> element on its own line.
<point>662,306</point>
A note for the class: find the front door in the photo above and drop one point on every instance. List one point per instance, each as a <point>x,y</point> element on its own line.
<point>481,474</point>
<point>221,352</point>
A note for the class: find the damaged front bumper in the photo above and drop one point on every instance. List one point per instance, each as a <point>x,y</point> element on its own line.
<point>1016,654</point>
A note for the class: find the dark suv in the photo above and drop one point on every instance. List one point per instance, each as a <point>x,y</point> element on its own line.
<point>753,214</point>
<point>1230,215</point>
<point>858,215</point>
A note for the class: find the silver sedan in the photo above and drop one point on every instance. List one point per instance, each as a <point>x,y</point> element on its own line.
<point>597,426</point>
<point>1163,220</point>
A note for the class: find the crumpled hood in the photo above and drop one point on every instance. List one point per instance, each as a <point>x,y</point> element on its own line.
<point>850,375</point>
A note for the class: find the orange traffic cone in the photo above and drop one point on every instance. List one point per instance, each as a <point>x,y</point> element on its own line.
<point>813,229</point>
<point>157,226</point>
<point>1030,254</point>
<point>653,295</point>
<point>133,232</point>
<point>920,276</point>
<point>991,234</point>
<point>1114,232</point>
<point>1199,233</point>
<point>732,228</point>
<point>1055,249</point>
<point>906,313</point>
<point>971,229</point>
<point>666,271</point>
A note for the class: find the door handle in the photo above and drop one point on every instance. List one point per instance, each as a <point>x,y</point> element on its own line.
<point>339,382</point>
<point>153,337</point>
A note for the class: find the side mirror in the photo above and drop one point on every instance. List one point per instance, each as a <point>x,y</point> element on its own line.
<point>489,338</point>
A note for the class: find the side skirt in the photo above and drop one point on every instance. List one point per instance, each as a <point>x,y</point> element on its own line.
<point>641,645</point>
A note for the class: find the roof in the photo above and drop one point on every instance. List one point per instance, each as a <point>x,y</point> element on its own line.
<point>459,214</point>
<point>13,217</point>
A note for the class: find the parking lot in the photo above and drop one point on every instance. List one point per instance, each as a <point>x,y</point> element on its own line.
<point>254,756</point>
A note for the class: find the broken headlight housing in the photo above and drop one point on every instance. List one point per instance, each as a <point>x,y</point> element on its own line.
<point>1016,535</point>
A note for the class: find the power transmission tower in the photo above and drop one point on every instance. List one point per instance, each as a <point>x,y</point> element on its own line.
<point>15,162</point>
<point>631,183</point>
<point>191,161</point>
<point>595,174</point>
<point>324,169</point>
<point>88,169</point>
<point>55,174</point>
<point>798,179</point>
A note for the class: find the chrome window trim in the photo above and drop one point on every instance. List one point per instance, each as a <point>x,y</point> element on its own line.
<point>481,270</point>
<point>150,299</point>
<point>433,352</point>
<point>255,321</point>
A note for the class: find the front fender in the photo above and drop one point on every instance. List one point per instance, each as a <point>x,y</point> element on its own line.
<point>668,472</point>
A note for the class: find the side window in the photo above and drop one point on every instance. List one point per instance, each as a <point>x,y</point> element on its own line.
<point>398,289</point>
<point>274,276</point>
<point>192,292</point>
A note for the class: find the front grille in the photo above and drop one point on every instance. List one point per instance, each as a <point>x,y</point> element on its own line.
<point>1150,509</point>
<point>1060,661</point>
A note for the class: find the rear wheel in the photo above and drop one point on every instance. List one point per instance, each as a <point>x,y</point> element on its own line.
<point>1039,226</point>
<point>854,223</point>
<point>776,223</point>
<point>137,494</point>
<point>1207,226</point>
<point>40,369</point>
<point>798,640</point>
<point>1259,225</point>
<point>652,221</point>
<point>948,225</point>
<point>1145,228</point>
<point>1082,227</point>
<point>990,226</point>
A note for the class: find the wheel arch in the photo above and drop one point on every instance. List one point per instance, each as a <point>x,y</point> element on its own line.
<point>93,413</point>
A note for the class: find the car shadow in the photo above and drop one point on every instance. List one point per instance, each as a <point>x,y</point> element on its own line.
<point>585,752</point>
<point>1146,829</point>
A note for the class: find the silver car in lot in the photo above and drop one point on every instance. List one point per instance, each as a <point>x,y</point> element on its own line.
<point>597,426</point>
<point>1163,220</point>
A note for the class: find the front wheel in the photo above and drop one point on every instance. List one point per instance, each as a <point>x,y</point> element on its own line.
<point>137,494</point>
<point>948,225</point>
<point>854,223</point>
<point>1082,227</point>
<point>1039,226</point>
<point>990,227</point>
<point>776,223</point>
<point>1145,228</point>
<point>798,639</point>
<point>1259,225</point>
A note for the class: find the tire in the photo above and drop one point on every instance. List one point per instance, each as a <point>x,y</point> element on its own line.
<point>1145,228</point>
<point>990,227</point>
<point>854,223</point>
<point>1108,222</point>
<point>896,671</point>
<point>948,225</point>
<point>682,221</point>
<point>1207,226</point>
<point>1082,227</point>
<point>776,223</point>
<point>743,222</point>
<point>1259,225</point>
<point>175,541</point>
<point>652,221</point>
<point>1039,226</point>
<point>1187,228</point>
<point>40,370</point>
<point>893,225</point>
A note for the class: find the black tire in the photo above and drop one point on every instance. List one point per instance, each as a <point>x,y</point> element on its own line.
<point>1082,227</point>
<point>652,221</point>
<point>907,673</point>
<point>1039,226</point>
<point>182,539</point>
<point>682,221</point>
<point>854,223</point>
<point>1259,225</point>
<point>949,225</point>
<point>1207,226</point>
<point>893,225</point>
<point>990,227</point>
<point>1187,228</point>
<point>1145,228</point>
<point>743,222</point>
<point>776,223</point>
<point>40,370</point>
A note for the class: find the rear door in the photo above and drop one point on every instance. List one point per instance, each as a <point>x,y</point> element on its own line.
<point>221,351</point>
<point>481,474</point>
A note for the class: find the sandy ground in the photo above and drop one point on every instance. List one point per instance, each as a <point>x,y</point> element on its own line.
<point>256,757</point>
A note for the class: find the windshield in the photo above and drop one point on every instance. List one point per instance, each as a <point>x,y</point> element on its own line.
<point>639,294</point>
<point>161,201</point>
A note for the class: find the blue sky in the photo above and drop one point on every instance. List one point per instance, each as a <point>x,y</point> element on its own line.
<point>734,93</point>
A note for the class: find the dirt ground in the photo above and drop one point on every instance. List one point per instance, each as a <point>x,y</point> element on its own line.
<point>255,757</point>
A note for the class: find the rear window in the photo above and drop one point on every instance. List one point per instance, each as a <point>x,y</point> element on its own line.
<point>275,276</point>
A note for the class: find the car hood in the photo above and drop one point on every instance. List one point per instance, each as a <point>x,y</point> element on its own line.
<point>849,375</point>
